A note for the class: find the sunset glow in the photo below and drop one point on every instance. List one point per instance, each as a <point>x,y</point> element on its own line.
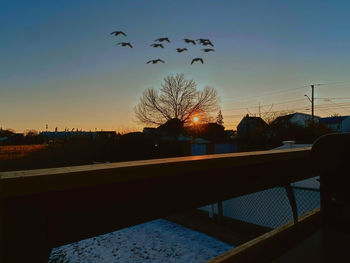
<point>61,66</point>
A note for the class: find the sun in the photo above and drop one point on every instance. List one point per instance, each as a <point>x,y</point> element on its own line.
<point>195,119</point>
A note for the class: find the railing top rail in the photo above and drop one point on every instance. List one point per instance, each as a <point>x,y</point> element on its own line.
<point>65,178</point>
<point>236,159</point>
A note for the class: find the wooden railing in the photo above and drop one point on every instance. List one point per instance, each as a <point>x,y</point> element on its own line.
<point>45,208</point>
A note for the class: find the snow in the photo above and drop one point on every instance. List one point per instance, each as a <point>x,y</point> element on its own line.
<point>156,241</point>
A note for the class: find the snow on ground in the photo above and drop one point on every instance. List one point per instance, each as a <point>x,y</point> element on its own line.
<point>158,241</point>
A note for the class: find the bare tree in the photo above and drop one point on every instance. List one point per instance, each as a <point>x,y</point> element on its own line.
<point>270,116</point>
<point>334,115</point>
<point>31,132</point>
<point>178,98</point>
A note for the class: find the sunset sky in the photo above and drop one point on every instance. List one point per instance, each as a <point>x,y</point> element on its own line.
<point>60,66</point>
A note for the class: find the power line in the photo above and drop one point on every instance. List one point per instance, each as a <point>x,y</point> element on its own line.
<point>327,112</point>
<point>340,106</point>
<point>339,98</point>
<point>333,105</point>
<point>321,107</point>
<point>277,111</point>
<point>267,94</point>
<point>280,103</point>
<point>332,83</point>
<point>281,91</point>
<point>289,90</point>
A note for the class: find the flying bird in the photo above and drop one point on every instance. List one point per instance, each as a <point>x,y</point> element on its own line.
<point>197,59</point>
<point>181,49</point>
<point>157,45</point>
<point>163,39</point>
<point>202,40</point>
<point>205,41</point>
<point>208,49</point>
<point>189,41</point>
<point>116,33</point>
<point>155,61</point>
<point>124,44</point>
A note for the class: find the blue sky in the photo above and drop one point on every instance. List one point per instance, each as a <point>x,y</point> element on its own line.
<point>60,65</point>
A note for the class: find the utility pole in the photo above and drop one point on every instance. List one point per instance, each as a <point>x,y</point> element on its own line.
<point>259,111</point>
<point>312,101</point>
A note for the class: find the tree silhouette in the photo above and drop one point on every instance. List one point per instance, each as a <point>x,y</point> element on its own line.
<point>220,118</point>
<point>178,99</point>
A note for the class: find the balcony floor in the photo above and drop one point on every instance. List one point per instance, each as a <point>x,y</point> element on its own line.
<point>323,246</point>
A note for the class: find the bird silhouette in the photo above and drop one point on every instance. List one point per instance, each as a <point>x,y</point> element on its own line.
<point>189,41</point>
<point>124,44</point>
<point>204,41</point>
<point>201,40</point>
<point>181,49</point>
<point>155,61</point>
<point>163,39</point>
<point>157,45</point>
<point>197,59</point>
<point>208,49</point>
<point>116,33</point>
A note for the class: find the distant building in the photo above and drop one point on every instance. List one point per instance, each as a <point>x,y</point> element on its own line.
<point>10,138</point>
<point>59,135</point>
<point>150,131</point>
<point>299,119</point>
<point>2,139</point>
<point>106,134</point>
<point>338,123</point>
<point>250,126</point>
<point>225,148</point>
<point>230,133</point>
<point>202,147</point>
<point>199,146</point>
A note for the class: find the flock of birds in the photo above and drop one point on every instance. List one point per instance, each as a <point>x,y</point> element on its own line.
<point>159,43</point>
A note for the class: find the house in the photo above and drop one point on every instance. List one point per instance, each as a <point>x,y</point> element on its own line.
<point>106,134</point>
<point>149,131</point>
<point>10,138</point>
<point>299,119</point>
<point>199,146</point>
<point>201,139</point>
<point>250,126</point>
<point>230,133</point>
<point>338,123</point>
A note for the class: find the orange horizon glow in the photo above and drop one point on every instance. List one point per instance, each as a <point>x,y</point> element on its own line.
<point>263,67</point>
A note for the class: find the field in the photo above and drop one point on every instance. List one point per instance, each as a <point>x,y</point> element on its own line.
<point>11,152</point>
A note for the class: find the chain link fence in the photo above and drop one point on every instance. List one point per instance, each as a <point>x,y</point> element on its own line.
<point>271,208</point>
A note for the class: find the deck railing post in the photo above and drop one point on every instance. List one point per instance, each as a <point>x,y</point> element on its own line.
<point>292,202</point>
